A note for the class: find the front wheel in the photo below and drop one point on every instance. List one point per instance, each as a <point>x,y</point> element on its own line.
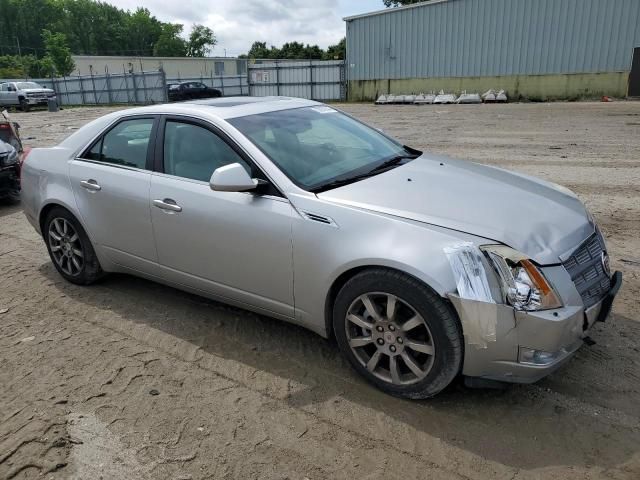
<point>398,333</point>
<point>24,105</point>
<point>70,248</point>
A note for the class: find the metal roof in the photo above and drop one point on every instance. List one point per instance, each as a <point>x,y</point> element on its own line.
<point>395,9</point>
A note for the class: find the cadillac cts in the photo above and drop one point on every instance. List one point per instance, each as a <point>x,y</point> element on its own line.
<point>422,267</point>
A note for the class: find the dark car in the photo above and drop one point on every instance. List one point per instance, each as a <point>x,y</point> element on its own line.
<point>9,172</point>
<point>191,90</point>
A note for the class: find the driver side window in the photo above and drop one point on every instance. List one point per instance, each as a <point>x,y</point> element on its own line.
<point>194,152</point>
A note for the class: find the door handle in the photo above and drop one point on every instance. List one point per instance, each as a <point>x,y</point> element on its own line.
<point>91,184</point>
<point>167,204</point>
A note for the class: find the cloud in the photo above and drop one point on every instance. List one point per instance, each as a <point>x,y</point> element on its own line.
<point>238,23</point>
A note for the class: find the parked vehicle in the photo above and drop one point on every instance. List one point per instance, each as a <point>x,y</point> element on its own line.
<point>423,267</point>
<point>10,131</point>
<point>191,91</point>
<point>24,95</point>
<point>9,172</point>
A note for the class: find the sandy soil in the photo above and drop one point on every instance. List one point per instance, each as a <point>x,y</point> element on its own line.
<point>132,380</point>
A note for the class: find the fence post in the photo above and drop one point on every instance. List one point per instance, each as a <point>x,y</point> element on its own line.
<point>81,90</point>
<point>248,81</point>
<point>144,87</point>
<point>55,88</point>
<point>163,79</point>
<point>277,78</point>
<point>93,85</point>
<point>108,81</point>
<point>135,88</point>
<point>311,77</point>
<point>222,84</point>
<point>240,82</point>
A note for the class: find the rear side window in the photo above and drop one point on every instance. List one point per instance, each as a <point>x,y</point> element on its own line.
<point>125,144</point>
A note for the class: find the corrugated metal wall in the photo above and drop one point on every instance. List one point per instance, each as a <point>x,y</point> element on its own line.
<point>465,38</point>
<point>313,79</point>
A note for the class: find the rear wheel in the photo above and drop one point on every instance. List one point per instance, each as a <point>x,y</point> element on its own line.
<point>398,333</point>
<point>70,248</point>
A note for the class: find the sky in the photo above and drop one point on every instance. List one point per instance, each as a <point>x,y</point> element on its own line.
<point>238,23</point>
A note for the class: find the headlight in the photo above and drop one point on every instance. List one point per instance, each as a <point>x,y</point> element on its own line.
<point>523,284</point>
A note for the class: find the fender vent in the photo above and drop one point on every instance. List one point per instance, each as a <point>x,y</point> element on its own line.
<point>319,218</point>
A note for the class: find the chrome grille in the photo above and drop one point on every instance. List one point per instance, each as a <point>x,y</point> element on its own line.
<point>587,270</point>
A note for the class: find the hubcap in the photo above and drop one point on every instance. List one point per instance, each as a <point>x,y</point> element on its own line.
<point>389,338</point>
<point>65,246</point>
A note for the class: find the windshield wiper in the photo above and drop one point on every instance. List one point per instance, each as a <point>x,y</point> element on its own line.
<point>393,162</point>
<point>384,166</point>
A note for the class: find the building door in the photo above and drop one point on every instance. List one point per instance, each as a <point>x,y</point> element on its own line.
<point>634,76</point>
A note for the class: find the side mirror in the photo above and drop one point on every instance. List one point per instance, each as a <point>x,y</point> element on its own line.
<point>232,178</point>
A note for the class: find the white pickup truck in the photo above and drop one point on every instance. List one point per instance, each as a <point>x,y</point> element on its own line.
<point>24,94</point>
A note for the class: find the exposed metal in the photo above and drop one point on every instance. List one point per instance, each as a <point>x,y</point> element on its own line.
<point>312,79</point>
<point>468,38</point>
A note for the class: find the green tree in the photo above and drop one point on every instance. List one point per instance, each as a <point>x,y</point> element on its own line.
<point>143,31</point>
<point>292,50</point>
<point>201,39</point>
<point>170,44</point>
<point>337,52</point>
<point>260,50</point>
<point>58,51</point>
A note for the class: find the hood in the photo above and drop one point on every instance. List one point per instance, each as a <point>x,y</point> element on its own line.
<point>37,90</point>
<point>540,219</point>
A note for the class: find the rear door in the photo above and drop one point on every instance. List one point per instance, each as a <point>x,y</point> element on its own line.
<point>110,182</point>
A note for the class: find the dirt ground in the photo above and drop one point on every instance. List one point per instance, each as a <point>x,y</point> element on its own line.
<point>133,380</point>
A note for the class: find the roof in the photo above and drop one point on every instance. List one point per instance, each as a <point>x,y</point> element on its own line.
<point>394,9</point>
<point>228,107</point>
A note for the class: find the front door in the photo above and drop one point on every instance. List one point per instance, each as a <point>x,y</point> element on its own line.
<point>634,76</point>
<point>111,184</point>
<point>233,245</point>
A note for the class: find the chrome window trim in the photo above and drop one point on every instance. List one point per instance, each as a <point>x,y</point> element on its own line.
<point>114,165</point>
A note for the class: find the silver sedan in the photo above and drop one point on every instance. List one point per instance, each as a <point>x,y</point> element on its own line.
<point>422,267</point>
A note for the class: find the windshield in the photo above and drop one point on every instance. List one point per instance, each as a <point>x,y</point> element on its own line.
<point>27,85</point>
<point>317,146</point>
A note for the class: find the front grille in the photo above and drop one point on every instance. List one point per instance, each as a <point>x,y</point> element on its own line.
<point>587,271</point>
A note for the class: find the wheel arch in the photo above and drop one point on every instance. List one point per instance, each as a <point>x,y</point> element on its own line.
<point>348,274</point>
<point>50,205</point>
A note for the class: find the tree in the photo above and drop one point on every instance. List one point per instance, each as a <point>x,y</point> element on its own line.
<point>59,52</point>
<point>259,50</point>
<point>399,3</point>
<point>169,43</point>
<point>337,52</point>
<point>201,39</point>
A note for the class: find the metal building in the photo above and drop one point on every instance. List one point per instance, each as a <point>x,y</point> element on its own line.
<point>538,49</point>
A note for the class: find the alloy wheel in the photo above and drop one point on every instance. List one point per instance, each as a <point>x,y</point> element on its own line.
<point>65,246</point>
<point>389,338</point>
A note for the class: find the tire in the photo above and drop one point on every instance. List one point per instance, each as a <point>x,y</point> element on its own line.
<point>423,329</point>
<point>65,237</point>
<point>24,105</point>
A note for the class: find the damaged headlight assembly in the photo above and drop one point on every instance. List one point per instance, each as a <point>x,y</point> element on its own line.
<point>523,285</point>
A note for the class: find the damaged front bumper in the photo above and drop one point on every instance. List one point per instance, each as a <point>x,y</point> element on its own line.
<point>507,345</point>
